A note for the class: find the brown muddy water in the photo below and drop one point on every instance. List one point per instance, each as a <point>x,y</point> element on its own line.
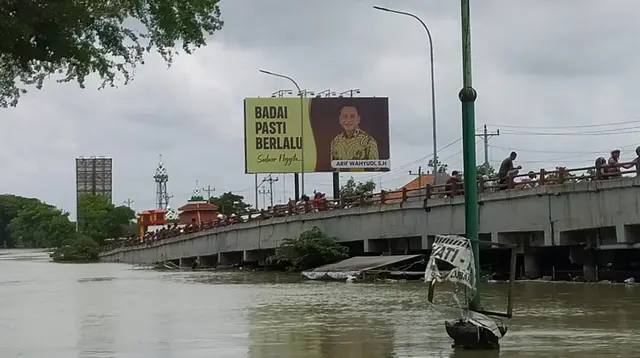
<point>111,310</point>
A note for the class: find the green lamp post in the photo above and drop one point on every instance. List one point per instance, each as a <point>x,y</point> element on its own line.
<point>468,97</point>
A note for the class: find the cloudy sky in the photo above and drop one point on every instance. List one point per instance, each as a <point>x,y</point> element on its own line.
<point>550,76</point>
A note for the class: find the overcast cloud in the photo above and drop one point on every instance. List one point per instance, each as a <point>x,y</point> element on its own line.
<point>544,63</point>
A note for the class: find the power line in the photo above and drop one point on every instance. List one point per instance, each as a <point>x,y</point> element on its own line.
<point>485,138</point>
<point>566,127</point>
<point>577,155</point>
<point>557,151</point>
<point>635,129</point>
<point>407,165</point>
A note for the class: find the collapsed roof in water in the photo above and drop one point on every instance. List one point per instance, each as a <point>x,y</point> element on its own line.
<point>359,265</point>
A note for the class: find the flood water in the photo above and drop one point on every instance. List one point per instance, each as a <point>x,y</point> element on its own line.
<point>110,310</point>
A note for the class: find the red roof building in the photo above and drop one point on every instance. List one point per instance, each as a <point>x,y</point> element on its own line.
<point>197,210</point>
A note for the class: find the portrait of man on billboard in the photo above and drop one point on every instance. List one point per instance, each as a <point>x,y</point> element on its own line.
<point>353,143</point>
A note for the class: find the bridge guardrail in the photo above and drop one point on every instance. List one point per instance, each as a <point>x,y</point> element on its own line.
<point>561,175</point>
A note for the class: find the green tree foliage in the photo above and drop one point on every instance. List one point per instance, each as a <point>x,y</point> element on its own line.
<point>9,207</point>
<point>442,167</point>
<point>352,188</point>
<point>229,203</point>
<point>74,38</point>
<point>312,248</point>
<point>40,225</point>
<point>100,220</point>
<point>82,249</point>
<point>486,169</point>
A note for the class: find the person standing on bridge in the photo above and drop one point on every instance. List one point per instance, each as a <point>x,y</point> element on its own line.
<point>635,162</point>
<point>507,171</point>
<point>613,169</point>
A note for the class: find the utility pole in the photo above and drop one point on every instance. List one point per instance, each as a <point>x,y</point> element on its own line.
<point>255,187</point>
<point>485,138</point>
<point>270,179</point>
<point>296,181</point>
<point>264,193</point>
<point>209,190</point>
<point>419,174</point>
<point>129,202</point>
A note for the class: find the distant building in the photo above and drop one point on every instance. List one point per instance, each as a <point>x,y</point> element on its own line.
<point>197,208</point>
<point>413,186</point>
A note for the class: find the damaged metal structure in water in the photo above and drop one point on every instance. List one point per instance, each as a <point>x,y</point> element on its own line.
<point>452,260</point>
<point>361,268</point>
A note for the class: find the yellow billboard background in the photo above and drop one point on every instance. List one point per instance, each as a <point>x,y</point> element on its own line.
<point>273,136</point>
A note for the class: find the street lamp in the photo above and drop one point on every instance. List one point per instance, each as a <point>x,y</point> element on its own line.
<point>326,93</point>
<point>301,94</point>
<point>351,92</point>
<point>433,84</point>
<point>281,93</point>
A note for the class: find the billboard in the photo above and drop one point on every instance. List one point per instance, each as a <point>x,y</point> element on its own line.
<point>338,134</point>
<point>94,176</point>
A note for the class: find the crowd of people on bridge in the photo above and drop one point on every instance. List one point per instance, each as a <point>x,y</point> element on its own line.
<point>508,177</point>
<point>304,205</point>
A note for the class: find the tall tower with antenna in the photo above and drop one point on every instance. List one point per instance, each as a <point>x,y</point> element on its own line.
<point>161,178</point>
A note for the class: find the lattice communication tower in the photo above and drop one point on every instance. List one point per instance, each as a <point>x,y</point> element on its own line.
<point>161,178</point>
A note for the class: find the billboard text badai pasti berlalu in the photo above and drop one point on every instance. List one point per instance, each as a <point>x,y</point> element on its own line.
<point>340,133</point>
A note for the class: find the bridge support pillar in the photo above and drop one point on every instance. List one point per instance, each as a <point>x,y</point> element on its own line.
<point>230,258</point>
<point>208,261</point>
<point>587,257</point>
<point>187,261</point>
<point>255,256</point>
<point>590,271</point>
<point>551,237</point>
<point>427,241</point>
<point>622,234</point>
<point>376,246</point>
<point>532,263</point>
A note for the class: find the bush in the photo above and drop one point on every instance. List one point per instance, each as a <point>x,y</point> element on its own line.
<point>312,248</point>
<point>81,249</point>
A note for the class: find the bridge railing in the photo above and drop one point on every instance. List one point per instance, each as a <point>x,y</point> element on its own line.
<point>520,181</point>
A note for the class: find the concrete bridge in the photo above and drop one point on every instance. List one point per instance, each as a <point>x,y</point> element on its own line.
<point>602,214</point>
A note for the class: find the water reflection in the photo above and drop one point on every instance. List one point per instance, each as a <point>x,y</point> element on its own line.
<point>281,331</point>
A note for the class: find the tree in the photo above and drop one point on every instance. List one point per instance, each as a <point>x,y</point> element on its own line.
<point>486,169</point>
<point>352,188</point>
<point>9,207</point>
<point>442,168</point>
<point>229,203</point>
<point>73,38</point>
<point>82,249</point>
<point>312,248</point>
<point>41,225</point>
<point>100,220</point>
